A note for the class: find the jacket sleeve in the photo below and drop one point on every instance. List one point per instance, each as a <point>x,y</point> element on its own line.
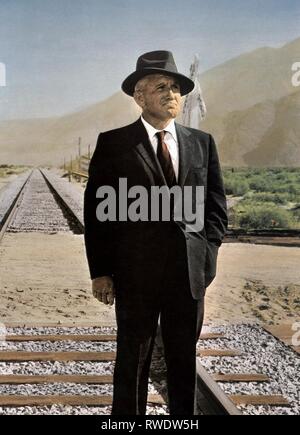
<point>216,220</point>
<point>99,236</point>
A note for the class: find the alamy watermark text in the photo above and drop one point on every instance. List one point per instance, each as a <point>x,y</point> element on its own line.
<point>160,204</point>
<point>2,74</point>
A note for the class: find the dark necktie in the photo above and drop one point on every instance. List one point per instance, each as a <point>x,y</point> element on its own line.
<point>165,160</point>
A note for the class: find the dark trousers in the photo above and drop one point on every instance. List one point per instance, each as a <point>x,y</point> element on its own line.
<point>181,319</point>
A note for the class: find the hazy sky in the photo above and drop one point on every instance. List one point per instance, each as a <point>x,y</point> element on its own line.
<point>61,55</point>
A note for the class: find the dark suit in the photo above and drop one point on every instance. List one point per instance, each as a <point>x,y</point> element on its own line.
<point>157,267</point>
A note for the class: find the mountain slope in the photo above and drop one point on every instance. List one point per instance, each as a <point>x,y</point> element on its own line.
<point>253,112</point>
<point>263,74</point>
<point>49,140</point>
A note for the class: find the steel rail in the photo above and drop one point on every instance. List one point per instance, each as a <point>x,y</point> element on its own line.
<point>13,209</point>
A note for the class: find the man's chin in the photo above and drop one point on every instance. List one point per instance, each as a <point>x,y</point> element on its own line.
<point>172,112</point>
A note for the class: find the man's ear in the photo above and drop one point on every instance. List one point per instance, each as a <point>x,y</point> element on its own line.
<point>139,99</point>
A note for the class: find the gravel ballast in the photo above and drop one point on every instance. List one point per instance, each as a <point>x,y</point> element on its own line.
<point>69,194</point>
<point>62,368</point>
<point>38,210</point>
<point>9,193</point>
<point>261,353</point>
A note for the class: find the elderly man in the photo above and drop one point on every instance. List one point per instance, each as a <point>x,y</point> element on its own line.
<point>155,268</point>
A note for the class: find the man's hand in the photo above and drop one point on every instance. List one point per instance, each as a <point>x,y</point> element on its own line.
<point>103,290</point>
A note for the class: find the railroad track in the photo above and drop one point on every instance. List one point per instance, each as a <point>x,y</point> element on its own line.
<point>43,202</point>
<point>212,400</point>
<point>75,368</point>
<point>11,198</point>
<point>37,203</point>
<point>289,238</point>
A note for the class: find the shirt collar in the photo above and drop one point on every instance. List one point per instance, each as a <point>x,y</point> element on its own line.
<point>152,130</point>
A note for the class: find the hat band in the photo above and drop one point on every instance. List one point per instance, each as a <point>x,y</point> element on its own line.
<point>159,65</point>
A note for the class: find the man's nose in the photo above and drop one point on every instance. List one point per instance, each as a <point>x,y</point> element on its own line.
<point>170,92</point>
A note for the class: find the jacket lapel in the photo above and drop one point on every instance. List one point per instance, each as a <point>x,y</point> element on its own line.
<point>144,148</point>
<point>185,144</point>
<point>146,151</point>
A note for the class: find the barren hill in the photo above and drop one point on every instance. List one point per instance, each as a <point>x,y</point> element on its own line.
<point>46,141</point>
<point>263,135</point>
<point>253,112</point>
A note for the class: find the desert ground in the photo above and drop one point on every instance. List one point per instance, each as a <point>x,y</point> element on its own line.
<point>44,279</point>
<point>9,173</point>
<point>255,283</point>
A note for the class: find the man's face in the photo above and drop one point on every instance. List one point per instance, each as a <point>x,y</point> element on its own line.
<point>160,97</point>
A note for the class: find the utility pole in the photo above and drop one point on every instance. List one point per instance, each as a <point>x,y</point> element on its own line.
<point>79,156</point>
<point>79,147</point>
<point>71,169</point>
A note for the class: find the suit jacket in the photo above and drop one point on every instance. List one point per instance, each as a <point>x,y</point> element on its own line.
<point>134,252</point>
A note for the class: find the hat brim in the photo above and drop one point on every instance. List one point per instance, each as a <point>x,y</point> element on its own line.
<point>128,86</point>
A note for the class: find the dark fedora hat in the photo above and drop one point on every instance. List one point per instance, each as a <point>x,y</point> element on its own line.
<point>156,62</point>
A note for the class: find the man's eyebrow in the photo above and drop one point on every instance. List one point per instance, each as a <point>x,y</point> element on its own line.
<point>160,84</point>
<point>164,84</point>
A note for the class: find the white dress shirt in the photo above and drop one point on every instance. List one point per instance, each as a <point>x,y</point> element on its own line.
<point>170,140</point>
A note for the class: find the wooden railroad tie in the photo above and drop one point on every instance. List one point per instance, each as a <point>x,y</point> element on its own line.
<point>107,379</point>
<point>85,337</point>
<point>74,400</point>
<point>80,400</point>
<point>240,377</point>
<point>218,353</point>
<point>9,356</point>
<point>50,379</point>
<point>62,337</point>
<point>57,356</point>
<point>244,399</point>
